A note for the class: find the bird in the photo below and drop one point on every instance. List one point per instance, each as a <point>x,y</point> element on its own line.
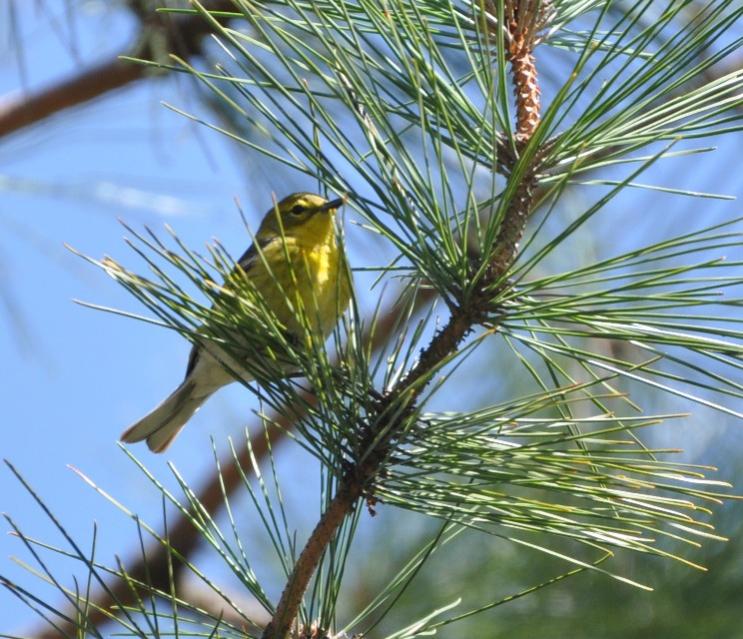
<point>295,254</point>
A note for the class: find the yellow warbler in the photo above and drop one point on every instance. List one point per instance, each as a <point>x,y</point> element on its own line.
<point>298,263</point>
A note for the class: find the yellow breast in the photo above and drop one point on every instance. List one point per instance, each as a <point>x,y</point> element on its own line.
<point>313,278</point>
<point>327,293</point>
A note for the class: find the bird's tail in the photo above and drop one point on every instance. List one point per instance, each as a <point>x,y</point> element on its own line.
<point>160,426</point>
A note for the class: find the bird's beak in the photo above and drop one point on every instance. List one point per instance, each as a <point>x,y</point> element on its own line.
<point>332,205</point>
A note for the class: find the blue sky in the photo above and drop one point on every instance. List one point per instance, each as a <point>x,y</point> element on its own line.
<point>73,378</point>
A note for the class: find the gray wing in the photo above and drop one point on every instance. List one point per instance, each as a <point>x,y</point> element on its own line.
<point>248,258</point>
<point>245,262</point>
<point>193,357</point>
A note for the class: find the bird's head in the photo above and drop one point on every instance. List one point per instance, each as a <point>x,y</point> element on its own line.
<point>305,216</point>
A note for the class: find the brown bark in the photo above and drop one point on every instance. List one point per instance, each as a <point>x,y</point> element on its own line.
<point>101,79</point>
<point>527,93</point>
<point>331,520</point>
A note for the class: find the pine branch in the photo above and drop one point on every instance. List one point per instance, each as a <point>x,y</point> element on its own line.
<point>182,35</point>
<point>387,419</point>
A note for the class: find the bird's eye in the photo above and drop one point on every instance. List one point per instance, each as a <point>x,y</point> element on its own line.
<point>297,209</point>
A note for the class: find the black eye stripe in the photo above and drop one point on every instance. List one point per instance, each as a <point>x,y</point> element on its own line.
<point>297,209</point>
